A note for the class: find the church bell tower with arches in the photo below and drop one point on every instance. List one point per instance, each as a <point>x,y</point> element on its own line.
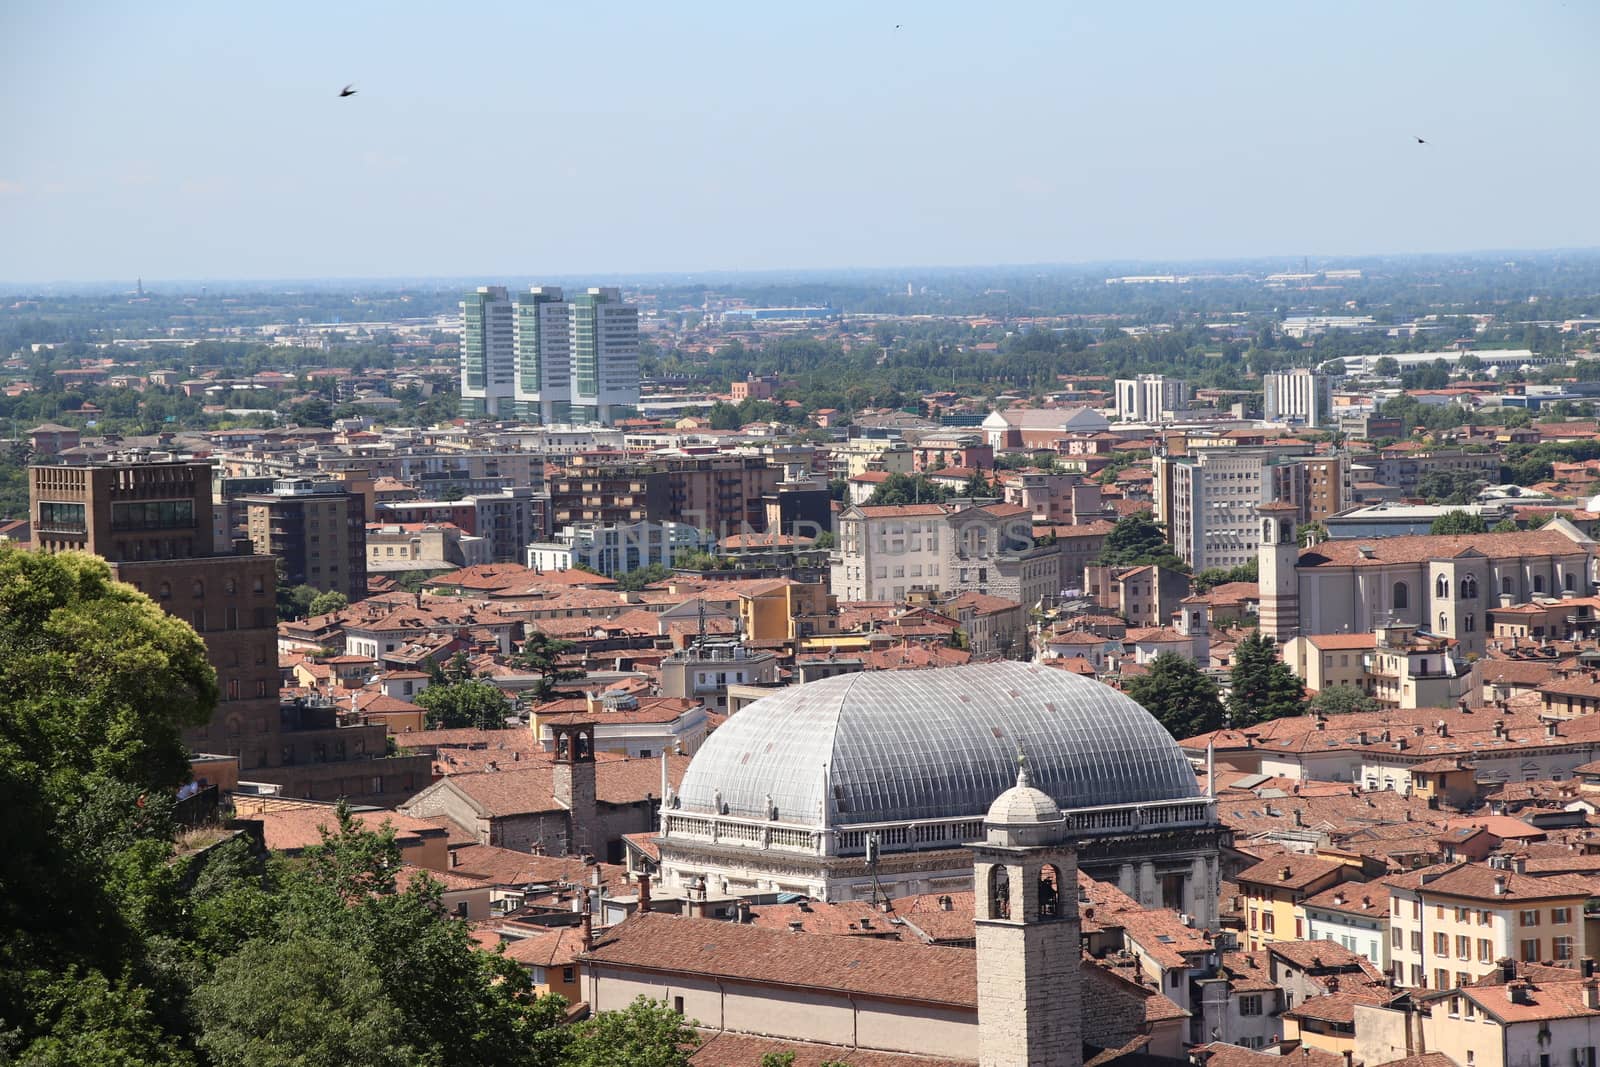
<point>1280,585</point>
<point>1025,907</point>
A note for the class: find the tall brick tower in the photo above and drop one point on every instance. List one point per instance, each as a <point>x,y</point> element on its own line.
<point>1025,900</point>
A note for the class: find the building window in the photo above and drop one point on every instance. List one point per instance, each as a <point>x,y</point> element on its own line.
<point>1444,624</point>
<point>1469,588</point>
<point>1463,947</point>
<point>1538,583</point>
<point>1561,948</point>
<point>1559,916</point>
<point>1530,950</point>
<point>1250,1005</point>
<point>1469,624</point>
<point>1402,596</point>
<point>1569,582</point>
<point>1529,918</point>
<point>677,1005</point>
<point>1485,950</point>
<point>1441,944</point>
<point>1441,588</point>
<point>1505,586</point>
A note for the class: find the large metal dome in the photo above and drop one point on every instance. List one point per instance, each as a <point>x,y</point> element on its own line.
<point>893,746</point>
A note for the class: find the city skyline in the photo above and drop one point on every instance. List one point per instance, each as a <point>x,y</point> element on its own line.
<point>192,142</point>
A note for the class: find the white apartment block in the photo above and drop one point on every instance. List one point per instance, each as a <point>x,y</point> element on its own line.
<point>1298,396</point>
<point>547,358</point>
<point>888,552</point>
<point>1149,397</point>
<point>488,354</point>
<point>1212,503</point>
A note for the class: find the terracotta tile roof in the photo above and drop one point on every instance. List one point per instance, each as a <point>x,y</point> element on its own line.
<point>1546,1000</point>
<point>504,866</point>
<point>1336,642</point>
<point>1290,872</point>
<point>884,969</point>
<point>1324,956</point>
<point>292,829</point>
<point>724,1049</point>
<point>1476,881</point>
<point>1418,548</point>
<point>901,511</point>
<point>1371,898</point>
<point>1337,1007</point>
<point>1218,1054</point>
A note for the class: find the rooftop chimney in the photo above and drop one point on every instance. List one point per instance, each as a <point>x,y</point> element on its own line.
<point>1517,991</point>
<point>1519,864</point>
<point>946,904</point>
<point>1586,966</point>
<point>1591,994</point>
<point>644,894</point>
<point>795,926</point>
<point>1284,873</point>
<point>1508,969</point>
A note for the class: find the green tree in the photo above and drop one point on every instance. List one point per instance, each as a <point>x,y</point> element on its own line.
<point>1449,487</point>
<point>294,601</point>
<point>1341,700</point>
<point>542,654</point>
<point>473,704</point>
<point>825,541</point>
<point>1179,694</point>
<point>647,1033</point>
<point>1386,367</point>
<point>1504,526</point>
<point>642,576</point>
<point>1137,540</point>
<point>1458,522</point>
<point>724,416</point>
<point>303,1001</point>
<point>1261,686</point>
<point>907,489</point>
<point>322,603</point>
<point>97,684</point>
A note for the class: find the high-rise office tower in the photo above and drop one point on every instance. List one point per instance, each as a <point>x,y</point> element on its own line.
<point>605,356</point>
<point>1298,396</point>
<point>545,358</point>
<point>543,343</point>
<point>488,353</point>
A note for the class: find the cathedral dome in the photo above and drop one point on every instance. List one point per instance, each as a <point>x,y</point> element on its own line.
<point>899,746</point>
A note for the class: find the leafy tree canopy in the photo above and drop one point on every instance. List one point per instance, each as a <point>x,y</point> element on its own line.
<point>647,1033</point>
<point>1341,700</point>
<point>1458,522</point>
<point>541,654</point>
<point>473,704</point>
<point>1262,687</point>
<point>907,489</point>
<point>1136,540</point>
<point>1180,696</point>
<point>332,600</point>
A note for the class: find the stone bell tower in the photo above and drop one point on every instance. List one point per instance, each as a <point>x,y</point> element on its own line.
<point>1276,561</point>
<point>1025,906</point>
<point>574,786</point>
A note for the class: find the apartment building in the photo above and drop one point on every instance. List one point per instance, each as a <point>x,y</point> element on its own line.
<point>543,357</point>
<point>1301,396</point>
<point>152,521</point>
<point>1149,397</point>
<point>488,353</point>
<point>1209,503</point>
<point>887,552</point>
<point>1450,925</point>
<point>1274,889</point>
<point>316,528</point>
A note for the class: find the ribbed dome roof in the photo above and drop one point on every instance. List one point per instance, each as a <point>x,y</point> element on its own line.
<point>931,744</point>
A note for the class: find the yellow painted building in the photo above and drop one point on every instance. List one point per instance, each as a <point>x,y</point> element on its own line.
<point>1274,888</point>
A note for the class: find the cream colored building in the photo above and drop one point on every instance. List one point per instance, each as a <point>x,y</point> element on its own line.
<point>1551,1022</point>
<point>1450,925</point>
<point>1444,585</point>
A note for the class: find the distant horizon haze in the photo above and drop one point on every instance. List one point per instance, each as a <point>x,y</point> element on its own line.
<point>186,140</point>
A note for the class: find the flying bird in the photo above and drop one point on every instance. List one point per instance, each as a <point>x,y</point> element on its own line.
<point>1421,141</point>
<point>348,90</point>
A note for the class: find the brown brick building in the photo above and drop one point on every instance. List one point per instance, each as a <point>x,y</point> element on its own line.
<point>152,522</point>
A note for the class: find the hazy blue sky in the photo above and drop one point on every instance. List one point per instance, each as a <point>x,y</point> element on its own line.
<point>205,140</point>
